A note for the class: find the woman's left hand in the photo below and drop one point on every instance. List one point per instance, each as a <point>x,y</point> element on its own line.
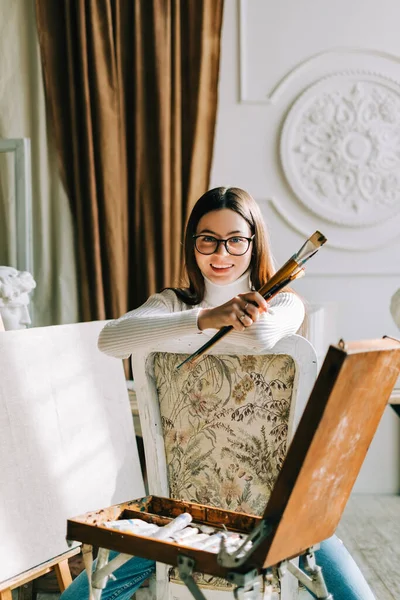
<point>239,312</point>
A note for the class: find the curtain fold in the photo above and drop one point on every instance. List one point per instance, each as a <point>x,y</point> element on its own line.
<point>131,89</point>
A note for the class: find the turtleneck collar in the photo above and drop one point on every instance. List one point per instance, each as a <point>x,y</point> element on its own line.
<point>215,294</point>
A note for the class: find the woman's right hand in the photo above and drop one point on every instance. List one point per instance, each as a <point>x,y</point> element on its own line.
<point>240,312</point>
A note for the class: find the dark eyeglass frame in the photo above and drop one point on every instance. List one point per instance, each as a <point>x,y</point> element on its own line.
<point>225,242</point>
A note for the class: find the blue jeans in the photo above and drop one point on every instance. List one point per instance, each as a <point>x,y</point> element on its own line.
<point>343,577</point>
<point>128,578</point>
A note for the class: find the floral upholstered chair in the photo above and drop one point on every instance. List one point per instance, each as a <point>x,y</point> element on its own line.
<point>216,431</point>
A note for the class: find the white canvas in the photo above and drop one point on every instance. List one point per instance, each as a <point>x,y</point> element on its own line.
<point>67,442</point>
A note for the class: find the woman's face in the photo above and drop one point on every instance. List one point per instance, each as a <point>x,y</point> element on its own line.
<point>221,267</point>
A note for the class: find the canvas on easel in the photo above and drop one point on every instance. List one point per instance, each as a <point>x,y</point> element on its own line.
<point>67,439</point>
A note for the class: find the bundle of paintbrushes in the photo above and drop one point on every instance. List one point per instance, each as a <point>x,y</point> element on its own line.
<point>182,531</point>
<point>291,270</point>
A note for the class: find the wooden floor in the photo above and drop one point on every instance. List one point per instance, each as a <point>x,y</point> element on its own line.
<point>370,529</point>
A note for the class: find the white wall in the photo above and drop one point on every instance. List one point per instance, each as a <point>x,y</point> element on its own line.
<point>309,123</point>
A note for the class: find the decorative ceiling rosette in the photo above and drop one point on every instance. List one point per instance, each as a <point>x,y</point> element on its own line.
<point>340,148</point>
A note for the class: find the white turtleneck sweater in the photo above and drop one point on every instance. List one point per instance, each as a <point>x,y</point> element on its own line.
<point>163,316</point>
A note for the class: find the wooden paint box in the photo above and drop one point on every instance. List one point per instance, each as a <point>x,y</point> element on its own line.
<point>312,489</point>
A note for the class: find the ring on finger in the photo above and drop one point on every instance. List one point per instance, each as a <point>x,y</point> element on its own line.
<point>242,317</point>
<point>245,306</point>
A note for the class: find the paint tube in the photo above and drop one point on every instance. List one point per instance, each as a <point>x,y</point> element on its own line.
<point>174,526</point>
<point>184,533</point>
<point>136,526</point>
<point>212,540</point>
<point>194,540</point>
<point>206,529</point>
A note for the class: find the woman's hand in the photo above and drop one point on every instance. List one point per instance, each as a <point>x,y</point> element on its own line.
<point>240,312</point>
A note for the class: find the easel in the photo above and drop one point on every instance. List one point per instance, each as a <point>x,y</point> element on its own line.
<point>59,565</point>
<point>307,501</point>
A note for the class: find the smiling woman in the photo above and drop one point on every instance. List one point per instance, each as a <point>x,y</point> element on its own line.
<point>227,257</point>
<point>220,290</point>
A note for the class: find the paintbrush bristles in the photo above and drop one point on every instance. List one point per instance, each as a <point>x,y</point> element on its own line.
<point>310,247</point>
<point>318,239</point>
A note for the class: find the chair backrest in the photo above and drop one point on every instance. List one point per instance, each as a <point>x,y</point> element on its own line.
<point>67,442</point>
<point>208,427</point>
<point>273,386</point>
<point>329,446</point>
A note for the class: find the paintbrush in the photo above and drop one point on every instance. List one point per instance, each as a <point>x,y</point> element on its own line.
<point>291,270</point>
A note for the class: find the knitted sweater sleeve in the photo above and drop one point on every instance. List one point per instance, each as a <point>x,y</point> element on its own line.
<point>284,317</point>
<point>161,317</point>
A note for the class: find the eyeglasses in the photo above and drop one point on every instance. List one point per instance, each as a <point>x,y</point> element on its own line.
<point>236,245</point>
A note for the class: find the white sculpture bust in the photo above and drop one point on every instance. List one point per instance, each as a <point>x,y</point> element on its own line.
<point>14,297</point>
<point>395,307</point>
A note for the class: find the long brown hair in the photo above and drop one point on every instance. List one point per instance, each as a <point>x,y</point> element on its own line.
<point>261,266</point>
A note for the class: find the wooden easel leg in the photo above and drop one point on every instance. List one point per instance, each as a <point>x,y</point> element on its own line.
<point>6,594</point>
<point>63,575</point>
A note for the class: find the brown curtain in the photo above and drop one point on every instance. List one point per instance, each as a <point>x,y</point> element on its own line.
<point>131,88</point>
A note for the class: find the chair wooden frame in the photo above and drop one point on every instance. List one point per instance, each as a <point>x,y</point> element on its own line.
<point>296,346</point>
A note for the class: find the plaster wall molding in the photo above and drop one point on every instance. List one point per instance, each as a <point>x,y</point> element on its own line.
<point>371,239</point>
<point>340,148</point>
<point>329,58</point>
